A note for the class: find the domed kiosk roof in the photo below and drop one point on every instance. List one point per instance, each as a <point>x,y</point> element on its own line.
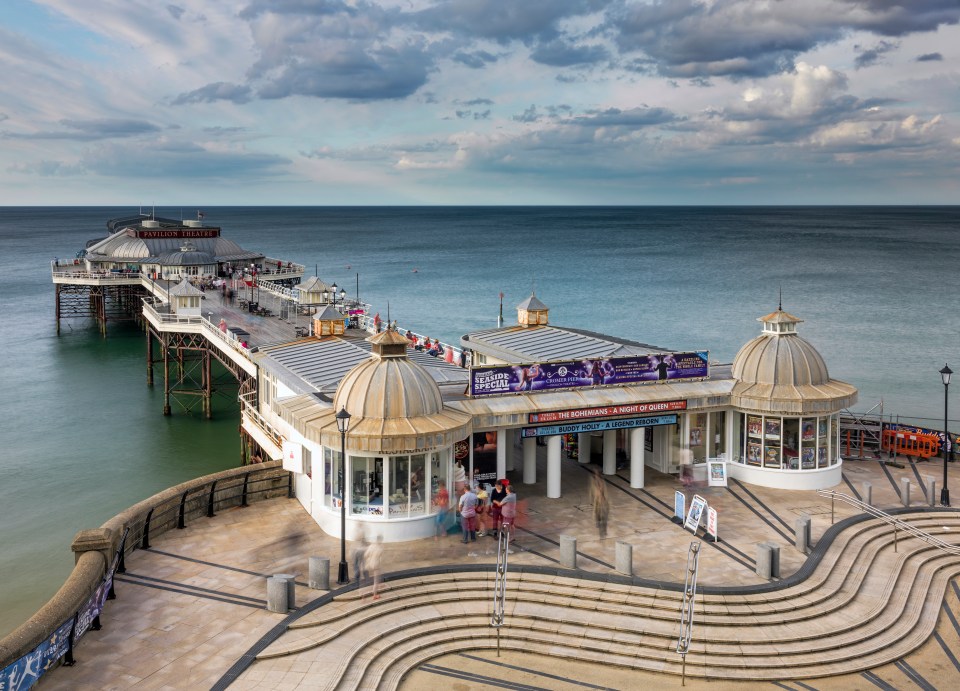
<point>395,405</point>
<point>778,371</point>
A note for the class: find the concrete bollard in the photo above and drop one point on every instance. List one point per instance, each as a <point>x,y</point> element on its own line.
<point>277,595</point>
<point>905,491</point>
<point>764,560</point>
<point>568,551</point>
<point>774,559</point>
<point>625,558</point>
<point>319,573</point>
<point>932,491</point>
<point>867,491</point>
<point>801,529</point>
<point>291,588</point>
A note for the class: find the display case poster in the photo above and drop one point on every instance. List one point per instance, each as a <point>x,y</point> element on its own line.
<point>696,436</point>
<point>754,454</point>
<point>822,456</point>
<point>773,429</point>
<point>822,428</point>
<point>485,457</point>
<point>697,506</point>
<point>679,505</point>
<point>754,426</point>
<point>567,374</point>
<point>807,457</point>
<point>808,431</point>
<point>717,473</point>
<point>712,522</point>
<point>648,440</point>
<point>771,456</point>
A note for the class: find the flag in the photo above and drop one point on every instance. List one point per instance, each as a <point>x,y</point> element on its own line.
<point>200,215</point>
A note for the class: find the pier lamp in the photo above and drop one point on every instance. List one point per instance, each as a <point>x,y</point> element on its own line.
<point>945,375</point>
<point>343,424</point>
<point>333,294</point>
<point>343,296</point>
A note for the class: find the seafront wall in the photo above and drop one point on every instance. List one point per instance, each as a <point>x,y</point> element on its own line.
<point>27,649</point>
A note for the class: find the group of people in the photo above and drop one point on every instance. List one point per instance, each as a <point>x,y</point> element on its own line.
<point>476,504</point>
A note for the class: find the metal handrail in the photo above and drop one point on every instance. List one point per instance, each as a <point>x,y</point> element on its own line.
<point>891,520</point>
<point>500,584</point>
<point>686,608</point>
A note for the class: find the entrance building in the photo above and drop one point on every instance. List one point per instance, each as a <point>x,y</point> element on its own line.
<point>419,423</point>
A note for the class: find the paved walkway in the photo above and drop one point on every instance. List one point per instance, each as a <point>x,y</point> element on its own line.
<point>193,604</point>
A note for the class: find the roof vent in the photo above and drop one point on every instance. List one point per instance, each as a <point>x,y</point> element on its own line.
<point>150,223</point>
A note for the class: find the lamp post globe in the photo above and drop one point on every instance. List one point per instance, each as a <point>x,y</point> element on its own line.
<point>343,296</point>
<point>945,376</point>
<point>333,294</point>
<point>343,424</point>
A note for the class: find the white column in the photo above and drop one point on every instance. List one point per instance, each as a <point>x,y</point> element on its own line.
<point>530,461</point>
<point>553,467</point>
<point>610,452</point>
<point>637,450</point>
<point>501,453</point>
<point>508,449</point>
<point>730,422</point>
<point>583,447</point>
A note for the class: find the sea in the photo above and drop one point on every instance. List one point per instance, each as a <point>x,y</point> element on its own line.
<point>82,435</point>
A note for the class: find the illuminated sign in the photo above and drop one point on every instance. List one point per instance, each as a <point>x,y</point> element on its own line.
<point>598,426</point>
<point>178,233</point>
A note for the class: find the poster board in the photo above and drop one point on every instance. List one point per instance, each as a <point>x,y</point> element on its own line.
<point>697,505</point>
<point>717,473</point>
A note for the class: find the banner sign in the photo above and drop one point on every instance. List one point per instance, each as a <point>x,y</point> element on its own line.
<point>178,233</point>
<point>679,505</point>
<point>607,411</point>
<point>484,457</point>
<point>598,426</point>
<point>25,672</point>
<point>93,608</point>
<point>567,374</point>
<point>712,522</point>
<point>697,505</point>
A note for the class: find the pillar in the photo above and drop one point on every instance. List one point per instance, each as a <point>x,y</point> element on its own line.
<point>583,447</point>
<point>530,461</point>
<point>553,467</point>
<point>764,560</point>
<point>637,450</point>
<point>568,549</point>
<point>624,557</point>
<point>508,442</point>
<point>502,453</point>
<point>801,531</point>
<point>905,491</point>
<point>867,491</point>
<point>610,452</point>
<point>931,491</point>
<point>277,595</point>
<point>289,579</point>
<point>320,573</point>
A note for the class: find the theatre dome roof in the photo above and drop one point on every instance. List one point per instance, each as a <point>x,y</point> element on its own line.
<point>778,371</point>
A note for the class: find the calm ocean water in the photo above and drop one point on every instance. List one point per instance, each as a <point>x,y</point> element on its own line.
<point>83,437</point>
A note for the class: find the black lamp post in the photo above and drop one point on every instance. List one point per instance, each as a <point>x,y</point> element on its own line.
<point>343,297</point>
<point>343,424</point>
<point>333,294</point>
<point>945,493</point>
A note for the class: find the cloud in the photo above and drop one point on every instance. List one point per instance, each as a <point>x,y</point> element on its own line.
<point>90,130</point>
<point>503,21</point>
<point>930,57</point>
<point>559,53</point>
<point>175,11</point>
<point>476,59</point>
<point>870,56</point>
<point>219,91</point>
<point>632,118</point>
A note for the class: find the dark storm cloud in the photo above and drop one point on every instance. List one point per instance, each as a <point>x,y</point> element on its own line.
<point>92,130</point>
<point>218,91</point>
<point>559,53</point>
<point>930,57</point>
<point>503,21</point>
<point>749,38</point>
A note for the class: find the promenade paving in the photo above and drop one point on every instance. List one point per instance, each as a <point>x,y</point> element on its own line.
<point>190,606</point>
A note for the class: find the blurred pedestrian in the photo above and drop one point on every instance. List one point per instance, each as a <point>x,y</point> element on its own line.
<point>371,564</point>
<point>508,513</point>
<point>496,502</point>
<point>359,559</point>
<point>441,504</point>
<point>601,505</point>
<point>468,514</point>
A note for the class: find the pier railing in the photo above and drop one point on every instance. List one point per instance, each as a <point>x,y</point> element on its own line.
<point>248,408</point>
<point>49,636</point>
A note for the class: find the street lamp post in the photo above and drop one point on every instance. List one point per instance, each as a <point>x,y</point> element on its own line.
<point>945,493</point>
<point>333,294</point>
<point>343,424</point>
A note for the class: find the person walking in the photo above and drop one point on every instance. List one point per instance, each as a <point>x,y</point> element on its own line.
<point>508,514</point>
<point>601,505</point>
<point>441,503</point>
<point>371,564</point>
<point>468,514</point>
<point>496,502</point>
<point>359,560</point>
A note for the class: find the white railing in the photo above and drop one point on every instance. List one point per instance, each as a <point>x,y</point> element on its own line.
<point>897,524</point>
<point>285,269</point>
<point>96,275</point>
<point>162,313</point>
<point>248,407</point>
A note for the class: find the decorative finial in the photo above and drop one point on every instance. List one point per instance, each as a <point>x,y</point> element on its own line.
<point>780,301</point>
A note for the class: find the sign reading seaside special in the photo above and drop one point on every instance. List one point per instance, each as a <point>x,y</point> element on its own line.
<point>633,369</point>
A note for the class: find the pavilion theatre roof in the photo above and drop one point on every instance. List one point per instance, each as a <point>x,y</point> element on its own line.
<point>543,343</point>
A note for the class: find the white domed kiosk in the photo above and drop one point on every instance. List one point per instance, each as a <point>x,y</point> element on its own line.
<point>787,408</point>
<point>399,446</point>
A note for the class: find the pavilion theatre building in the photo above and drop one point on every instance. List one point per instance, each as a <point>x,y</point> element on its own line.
<point>418,423</point>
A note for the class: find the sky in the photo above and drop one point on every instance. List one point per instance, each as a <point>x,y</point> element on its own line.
<point>479,102</point>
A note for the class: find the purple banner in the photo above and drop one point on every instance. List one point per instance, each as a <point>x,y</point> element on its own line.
<point>501,379</point>
<point>25,672</point>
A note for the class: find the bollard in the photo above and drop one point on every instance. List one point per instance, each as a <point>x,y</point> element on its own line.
<point>801,530</point>
<point>774,559</point>
<point>568,551</point>
<point>291,588</point>
<point>905,491</point>
<point>932,491</point>
<point>625,558</point>
<point>764,559</point>
<point>867,491</point>
<point>320,573</point>
<point>277,595</point>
